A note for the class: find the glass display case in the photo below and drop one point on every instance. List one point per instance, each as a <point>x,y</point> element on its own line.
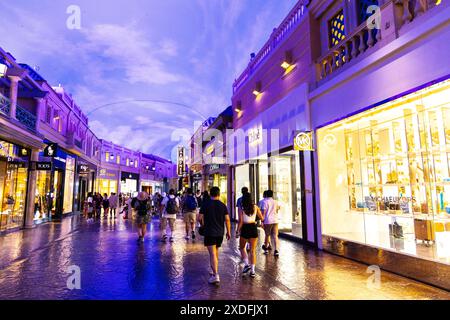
<point>396,189</point>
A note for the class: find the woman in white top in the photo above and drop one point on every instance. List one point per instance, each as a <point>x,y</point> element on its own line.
<point>248,231</point>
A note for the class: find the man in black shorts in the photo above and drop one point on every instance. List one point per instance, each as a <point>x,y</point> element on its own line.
<point>213,216</point>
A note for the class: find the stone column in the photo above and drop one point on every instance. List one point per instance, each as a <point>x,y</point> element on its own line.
<point>31,193</point>
<point>40,107</point>
<point>13,95</point>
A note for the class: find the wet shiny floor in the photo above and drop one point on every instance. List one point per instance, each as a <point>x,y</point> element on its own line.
<point>34,264</point>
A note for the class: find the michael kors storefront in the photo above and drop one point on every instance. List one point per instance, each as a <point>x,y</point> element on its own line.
<point>385,182</point>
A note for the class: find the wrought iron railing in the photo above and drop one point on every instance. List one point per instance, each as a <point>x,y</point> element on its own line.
<point>4,105</point>
<point>25,117</point>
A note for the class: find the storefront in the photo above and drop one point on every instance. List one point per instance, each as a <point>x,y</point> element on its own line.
<point>108,181</point>
<point>58,190</point>
<point>85,182</point>
<point>14,162</point>
<point>385,176</point>
<point>196,183</point>
<point>217,175</point>
<point>129,183</point>
<point>43,199</point>
<point>150,186</point>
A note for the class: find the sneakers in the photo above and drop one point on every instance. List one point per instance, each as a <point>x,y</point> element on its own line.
<point>164,238</point>
<point>276,253</point>
<point>140,240</point>
<point>193,235</point>
<point>252,274</point>
<point>268,248</point>
<point>214,279</point>
<point>187,238</point>
<point>266,252</point>
<point>247,268</point>
<point>171,239</point>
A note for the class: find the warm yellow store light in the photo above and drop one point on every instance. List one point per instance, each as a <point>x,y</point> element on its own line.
<point>285,65</point>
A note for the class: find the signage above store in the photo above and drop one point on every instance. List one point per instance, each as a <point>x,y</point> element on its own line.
<point>43,166</point>
<point>181,164</point>
<point>303,141</point>
<point>16,165</point>
<point>50,150</point>
<point>83,168</point>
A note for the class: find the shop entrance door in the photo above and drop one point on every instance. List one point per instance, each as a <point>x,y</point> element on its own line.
<point>82,191</point>
<point>148,189</point>
<point>58,196</point>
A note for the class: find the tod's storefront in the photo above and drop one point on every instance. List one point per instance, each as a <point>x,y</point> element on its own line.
<point>385,183</point>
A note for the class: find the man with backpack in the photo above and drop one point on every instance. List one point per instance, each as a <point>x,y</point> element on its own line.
<point>190,206</point>
<point>169,207</point>
<point>142,207</point>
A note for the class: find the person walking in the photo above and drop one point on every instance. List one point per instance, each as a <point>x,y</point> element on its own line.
<point>198,197</point>
<point>113,204</point>
<point>105,205</point>
<point>269,209</point>
<point>248,231</point>
<point>214,218</point>
<point>90,207</point>
<point>98,205</point>
<point>190,206</point>
<point>142,207</point>
<point>170,207</point>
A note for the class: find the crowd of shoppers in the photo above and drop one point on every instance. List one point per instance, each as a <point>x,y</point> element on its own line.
<point>202,210</point>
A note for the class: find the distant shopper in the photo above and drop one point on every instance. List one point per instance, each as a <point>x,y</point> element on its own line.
<point>142,207</point>
<point>190,206</point>
<point>121,202</point>
<point>98,200</point>
<point>105,205</point>
<point>90,208</point>
<point>205,196</point>
<point>248,231</point>
<point>170,207</point>
<point>113,204</point>
<point>214,217</point>
<point>269,209</point>
<point>198,196</point>
<point>244,191</point>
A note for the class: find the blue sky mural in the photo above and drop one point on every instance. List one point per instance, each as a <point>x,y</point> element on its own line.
<point>127,52</point>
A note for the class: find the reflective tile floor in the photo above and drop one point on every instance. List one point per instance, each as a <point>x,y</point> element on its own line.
<point>34,264</point>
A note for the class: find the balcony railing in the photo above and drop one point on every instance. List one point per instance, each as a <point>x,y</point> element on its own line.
<point>279,34</point>
<point>23,116</point>
<point>364,37</point>
<point>5,106</point>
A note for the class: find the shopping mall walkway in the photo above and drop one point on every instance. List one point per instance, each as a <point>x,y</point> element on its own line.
<point>34,265</point>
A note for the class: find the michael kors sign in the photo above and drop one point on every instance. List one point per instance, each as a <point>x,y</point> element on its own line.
<point>303,141</point>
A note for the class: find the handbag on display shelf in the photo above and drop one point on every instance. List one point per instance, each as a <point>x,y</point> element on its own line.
<point>424,230</point>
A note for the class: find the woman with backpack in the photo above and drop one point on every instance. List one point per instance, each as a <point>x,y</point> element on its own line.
<point>142,207</point>
<point>190,206</point>
<point>248,231</point>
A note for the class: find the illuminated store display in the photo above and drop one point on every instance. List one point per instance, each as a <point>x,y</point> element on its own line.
<point>13,186</point>
<point>42,198</point>
<point>69,184</point>
<point>385,175</point>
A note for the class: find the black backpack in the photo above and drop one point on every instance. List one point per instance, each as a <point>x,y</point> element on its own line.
<point>171,206</point>
<point>142,207</point>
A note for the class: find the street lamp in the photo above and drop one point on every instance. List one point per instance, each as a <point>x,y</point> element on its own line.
<point>3,69</point>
